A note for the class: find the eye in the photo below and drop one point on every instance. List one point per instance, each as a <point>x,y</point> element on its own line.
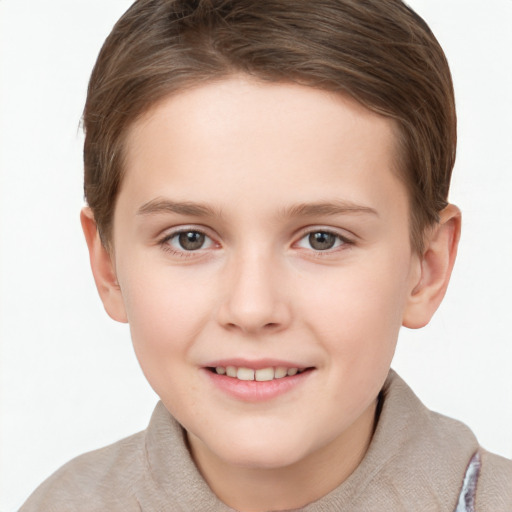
<point>322,241</point>
<point>189,240</point>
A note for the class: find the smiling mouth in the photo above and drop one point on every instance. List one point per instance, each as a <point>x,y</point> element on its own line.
<point>259,375</point>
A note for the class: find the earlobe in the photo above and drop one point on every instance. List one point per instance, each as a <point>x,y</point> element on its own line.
<point>103,269</point>
<point>436,267</point>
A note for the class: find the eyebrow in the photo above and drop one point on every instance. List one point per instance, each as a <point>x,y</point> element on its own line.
<point>159,205</point>
<point>338,207</point>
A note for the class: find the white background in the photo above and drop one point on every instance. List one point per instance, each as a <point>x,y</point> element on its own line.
<point>69,380</point>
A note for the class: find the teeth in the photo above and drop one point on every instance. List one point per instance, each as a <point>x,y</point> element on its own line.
<point>261,375</point>
<point>281,372</point>
<point>264,374</point>
<point>245,374</point>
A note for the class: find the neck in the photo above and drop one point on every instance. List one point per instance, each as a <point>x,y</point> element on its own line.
<point>290,487</point>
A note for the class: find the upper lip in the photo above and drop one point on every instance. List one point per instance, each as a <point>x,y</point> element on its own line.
<point>256,364</point>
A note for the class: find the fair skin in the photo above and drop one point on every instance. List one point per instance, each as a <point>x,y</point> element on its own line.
<point>263,227</point>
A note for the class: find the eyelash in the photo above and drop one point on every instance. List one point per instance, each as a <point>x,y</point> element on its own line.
<point>182,253</point>
<point>343,242</point>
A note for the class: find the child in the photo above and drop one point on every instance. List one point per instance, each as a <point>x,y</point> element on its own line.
<point>267,185</point>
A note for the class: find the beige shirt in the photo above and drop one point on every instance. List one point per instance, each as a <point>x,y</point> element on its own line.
<point>416,461</point>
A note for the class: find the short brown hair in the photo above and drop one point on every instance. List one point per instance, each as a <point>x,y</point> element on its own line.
<point>379,52</point>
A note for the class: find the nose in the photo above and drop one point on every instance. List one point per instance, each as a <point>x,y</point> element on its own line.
<point>256,298</point>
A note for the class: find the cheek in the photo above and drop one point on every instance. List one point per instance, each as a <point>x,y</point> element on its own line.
<point>165,316</point>
<point>165,311</point>
<point>358,310</point>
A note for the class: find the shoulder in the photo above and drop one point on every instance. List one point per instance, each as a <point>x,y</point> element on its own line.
<point>150,471</point>
<point>94,481</point>
<point>436,449</point>
<point>494,489</point>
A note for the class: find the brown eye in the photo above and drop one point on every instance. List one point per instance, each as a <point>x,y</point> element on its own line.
<point>186,242</point>
<point>322,241</point>
<point>191,240</point>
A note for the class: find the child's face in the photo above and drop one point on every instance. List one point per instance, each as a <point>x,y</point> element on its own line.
<point>264,226</point>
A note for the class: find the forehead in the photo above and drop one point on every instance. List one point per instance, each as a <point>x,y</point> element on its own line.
<point>226,140</point>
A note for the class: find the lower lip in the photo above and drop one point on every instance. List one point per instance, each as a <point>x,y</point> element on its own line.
<point>255,391</point>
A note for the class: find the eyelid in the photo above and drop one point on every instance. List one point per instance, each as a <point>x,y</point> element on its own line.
<point>184,228</point>
<point>168,234</point>
<point>340,234</point>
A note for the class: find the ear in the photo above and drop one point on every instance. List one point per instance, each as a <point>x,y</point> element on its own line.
<point>103,269</point>
<point>436,265</point>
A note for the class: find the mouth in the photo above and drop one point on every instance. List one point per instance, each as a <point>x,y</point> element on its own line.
<point>259,375</point>
<point>257,381</point>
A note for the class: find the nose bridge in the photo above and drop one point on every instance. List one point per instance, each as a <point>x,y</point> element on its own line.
<point>255,297</point>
